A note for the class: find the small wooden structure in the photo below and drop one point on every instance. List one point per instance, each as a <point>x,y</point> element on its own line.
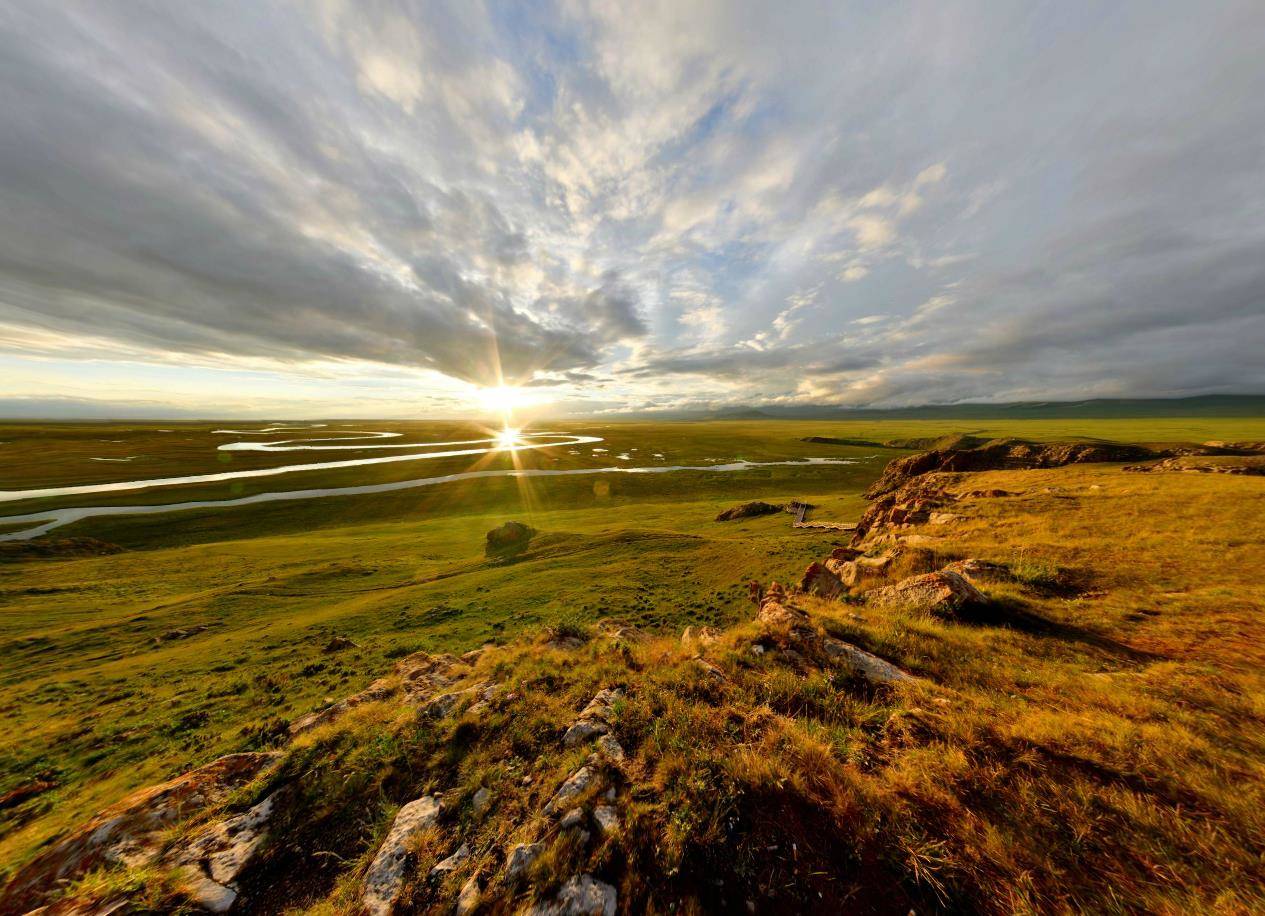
<point>800,509</point>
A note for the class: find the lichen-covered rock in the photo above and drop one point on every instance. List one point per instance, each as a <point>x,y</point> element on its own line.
<point>942,593</point>
<point>449,865</point>
<point>385,878</point>
<point>468,899</point>
<point>606,818</point>
<point>819,580</point>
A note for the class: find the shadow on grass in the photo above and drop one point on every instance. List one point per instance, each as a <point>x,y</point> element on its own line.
<point>1015,615</point>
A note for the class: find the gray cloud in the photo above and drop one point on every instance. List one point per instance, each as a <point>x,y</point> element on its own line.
<point>896,205</point>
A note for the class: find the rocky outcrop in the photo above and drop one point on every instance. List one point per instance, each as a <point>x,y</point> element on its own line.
<point>131,831</point>
<point>748,510</point>
<point>1255,468</point>
<point>384,881</point>
<point>791,629</point>
<point>1002,455</point>
<point>942,593</point>
<point>913,503</point>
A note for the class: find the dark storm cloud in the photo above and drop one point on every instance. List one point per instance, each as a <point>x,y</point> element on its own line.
<point>728,200</point>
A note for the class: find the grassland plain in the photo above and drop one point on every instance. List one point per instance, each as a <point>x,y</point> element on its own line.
<point>101,693</point>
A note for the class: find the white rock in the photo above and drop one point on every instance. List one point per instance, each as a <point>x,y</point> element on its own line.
<point>480,800</point>
<point>385,877</point>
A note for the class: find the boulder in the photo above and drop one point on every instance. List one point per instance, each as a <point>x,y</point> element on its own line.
<point>385,878</point>
<point>583,895</point>
<point>748,510</point>
<point>942,593</point>
<point>339,644</point>
<point>509,538</point>
<point>866,664</point>
<point>819,580</point>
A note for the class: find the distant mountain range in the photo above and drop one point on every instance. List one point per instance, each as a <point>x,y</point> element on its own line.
<point>1212,405</point>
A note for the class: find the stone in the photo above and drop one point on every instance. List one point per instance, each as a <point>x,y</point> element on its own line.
<point>205,893</point>
<point>468,899</point>
<point>224,849</point>
<point>583,895</point>
<point>943,593</point>
<point>868,665</point>
<point>606,819</point>
<point>748,510</point>
<point>943,518</point>
<point>520,859</point>
<point>574,786</point>
<point>979,571</point>
<point>480,801</point>
<point>443,869</point>
<point>611,749</point>
<point>584,730</point>
<point>573,818</point>
<point>339,644</point>
<point>384,879</point>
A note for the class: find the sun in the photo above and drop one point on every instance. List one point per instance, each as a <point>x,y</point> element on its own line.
<point>503,399</point>
<point>508,438</point>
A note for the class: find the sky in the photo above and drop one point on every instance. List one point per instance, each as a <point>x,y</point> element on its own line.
<point>278,208</point>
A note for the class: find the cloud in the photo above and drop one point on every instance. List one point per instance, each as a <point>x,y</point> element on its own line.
<point>681,203</point>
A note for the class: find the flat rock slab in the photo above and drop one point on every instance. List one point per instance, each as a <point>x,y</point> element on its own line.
<point>385,878</point>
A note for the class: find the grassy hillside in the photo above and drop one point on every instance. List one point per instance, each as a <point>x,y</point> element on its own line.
<point>1091,744</point>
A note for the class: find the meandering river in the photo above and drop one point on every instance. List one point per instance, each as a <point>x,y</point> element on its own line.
<point>45,521</point>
